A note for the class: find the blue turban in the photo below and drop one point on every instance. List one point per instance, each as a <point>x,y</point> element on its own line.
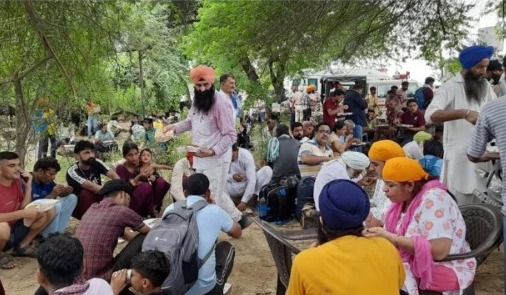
<point>472,55</point>
<point>343,204</point>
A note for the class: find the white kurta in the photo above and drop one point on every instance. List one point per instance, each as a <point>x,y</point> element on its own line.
<point>458,173</point>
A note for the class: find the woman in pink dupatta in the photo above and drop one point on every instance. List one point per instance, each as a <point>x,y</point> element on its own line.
<point>426,225</point>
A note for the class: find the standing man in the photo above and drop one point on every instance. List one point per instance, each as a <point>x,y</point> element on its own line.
<point>456,103</point>
<point>45,126</point>
<point>211,123</point>
<point>331,107</point>
<point>85,177</point>
<point>372,99</point>
<point>357,106</point>
<point>297,101</point>
<point>425,94</point>
<point>227,87</point>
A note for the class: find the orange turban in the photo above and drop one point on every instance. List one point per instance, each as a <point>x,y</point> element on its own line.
<point>384,150</point>
<point>402,169</point>
<point>310,88</point>
<point>201,72</point>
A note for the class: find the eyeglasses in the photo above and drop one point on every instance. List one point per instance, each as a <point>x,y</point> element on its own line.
<point>324,131</point>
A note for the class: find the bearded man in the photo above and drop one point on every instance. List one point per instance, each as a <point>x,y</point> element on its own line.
<point>211,122</point>
<point>456,103</point>
<point>494,74</point>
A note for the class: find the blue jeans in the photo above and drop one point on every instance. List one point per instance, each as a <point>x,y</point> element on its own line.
<point>64,210</point>
<point>92,125</point>
<point>357,133</point>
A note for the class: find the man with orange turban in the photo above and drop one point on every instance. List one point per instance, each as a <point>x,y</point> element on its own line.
<point>379,153</point>
<point>212,127</point>
<point>456,104</point>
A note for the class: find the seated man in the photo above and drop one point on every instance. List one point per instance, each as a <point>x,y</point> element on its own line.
<point>104,140</point>
<point>85,177</point>
<point>180,173</point>
<point>336,265</point>
<point>61,261</point>
<point>114,127</point>
<point>148,272</point>
<point>349,166</point>
<point>149,135</point>
<point>314,153</point>
<point>307,131</point>
<point>269,130</point>
<point>284,160</point>
<point>44,187</point>
<point>103,224</point>
<point>243,181</point>
<point>413,116</point>
<point>18,225</point>
<point>211,220</point>
<point>297,131</point>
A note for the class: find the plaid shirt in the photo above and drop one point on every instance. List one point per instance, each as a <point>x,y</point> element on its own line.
<point>99,230</point>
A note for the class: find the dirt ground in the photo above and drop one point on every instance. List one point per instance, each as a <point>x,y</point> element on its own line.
<point>254,271</point>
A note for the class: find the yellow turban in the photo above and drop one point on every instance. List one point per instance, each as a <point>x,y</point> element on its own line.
<point>201,72</point>
<point>310,88</point>
<point>384,150</point>
<point>402,169</point>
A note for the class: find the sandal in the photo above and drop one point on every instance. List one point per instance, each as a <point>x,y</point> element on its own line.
<point>6,262</point>
<point>29,250</point>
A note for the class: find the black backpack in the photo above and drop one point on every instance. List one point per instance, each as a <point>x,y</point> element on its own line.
<point>275,203</point>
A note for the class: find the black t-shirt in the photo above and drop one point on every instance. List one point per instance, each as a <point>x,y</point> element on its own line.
<point>76,176</point>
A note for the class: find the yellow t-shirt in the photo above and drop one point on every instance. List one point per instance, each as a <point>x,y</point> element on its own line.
<point>348,265</point>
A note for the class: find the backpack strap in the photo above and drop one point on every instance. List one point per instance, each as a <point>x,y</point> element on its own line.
<point>204,260</point>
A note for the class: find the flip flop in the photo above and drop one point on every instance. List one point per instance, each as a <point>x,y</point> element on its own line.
<point>29,250</point>
<point>6,262</point>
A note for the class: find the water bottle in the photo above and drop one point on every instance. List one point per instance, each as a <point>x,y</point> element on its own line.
<point>262,207</point>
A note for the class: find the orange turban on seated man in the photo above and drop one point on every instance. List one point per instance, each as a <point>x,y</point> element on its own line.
<point>202,73</point>
<point>384,150</point>
<point>402,169</point>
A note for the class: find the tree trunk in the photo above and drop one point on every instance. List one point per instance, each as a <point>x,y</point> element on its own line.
<point>277,71</point>
<point>250,71</point>
<point>23,120</point>
<point>141,77</point>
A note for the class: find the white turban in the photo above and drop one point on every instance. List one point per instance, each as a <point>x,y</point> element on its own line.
<point>413,150</point>
<point>355,160</point>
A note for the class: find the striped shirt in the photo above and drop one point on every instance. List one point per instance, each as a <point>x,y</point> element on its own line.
<point>76,176</point>
<point>313,148</point>
<point>490,125</point>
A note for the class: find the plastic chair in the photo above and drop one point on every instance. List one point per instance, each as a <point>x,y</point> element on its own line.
<point>282,251</point>
<point>483,233</point>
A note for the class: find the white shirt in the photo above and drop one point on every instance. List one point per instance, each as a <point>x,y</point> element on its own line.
<point>379,201</point>
<point>245,164</point>
<point>181,168</point>
<point>335,169</point>
<point>458,173</point>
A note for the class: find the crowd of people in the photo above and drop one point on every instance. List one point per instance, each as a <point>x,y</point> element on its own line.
<point>394,239</point>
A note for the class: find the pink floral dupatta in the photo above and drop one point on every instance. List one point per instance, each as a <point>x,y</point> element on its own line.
<point>421,263</point>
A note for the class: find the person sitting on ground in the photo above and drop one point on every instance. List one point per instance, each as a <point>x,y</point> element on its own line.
<point>137,131</point>
<point>414,117</point>
<point>18,225</point>
<point>348,166</point>
<point>307,131</point>
<point>84,177</point>
<point>104,140</point>
<point>114,127</point>
<point>160,186</point>
<point>432,160</point>
<point>269,130</point>
<point>314,153</point>
<point>297,131</point>
<point>182,170</point>
<point>103,224</point>
<point>145,198</point>
<point>425,224</point>
<point>61,262</point>
<point>336,264</point>
<point>149,135</point>
<point>283,159</point>
<point>44,187</point>
<point>243,181</point>
<point>339,141</point>
<point>148,272</point>
<point>379,153</point>
<point>211,220</point>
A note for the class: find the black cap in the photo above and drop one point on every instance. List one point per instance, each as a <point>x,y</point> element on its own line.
<point>115,185</point>
<point>494,65</point>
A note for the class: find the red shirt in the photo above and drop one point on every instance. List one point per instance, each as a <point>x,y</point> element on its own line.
<point>416,119</point>
<point>332,105</point>
<point>11,198</point>
<point>99,230</point>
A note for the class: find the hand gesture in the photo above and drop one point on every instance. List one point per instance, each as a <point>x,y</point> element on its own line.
<point>119,281</point>
<point>241,206</point>
<point>58,190</point>
<point>203,153</point>
<point>26,177</point>
<point>146,171</point>
<point>168,128</point>
<point>238,177</point>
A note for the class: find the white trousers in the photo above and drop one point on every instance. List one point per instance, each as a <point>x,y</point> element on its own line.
<point>237,189</point>
<point>217,180</point>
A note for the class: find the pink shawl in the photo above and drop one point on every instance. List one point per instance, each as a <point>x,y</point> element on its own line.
<point>421,263</point>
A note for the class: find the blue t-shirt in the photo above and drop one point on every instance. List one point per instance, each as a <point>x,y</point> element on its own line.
<point>41,190</point>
